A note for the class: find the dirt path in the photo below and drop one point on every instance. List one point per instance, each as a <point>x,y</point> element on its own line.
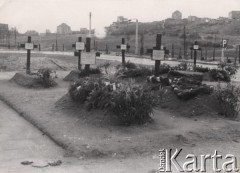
<point>20,141</point>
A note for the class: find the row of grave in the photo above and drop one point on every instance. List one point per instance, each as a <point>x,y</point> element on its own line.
<point>158,53</point>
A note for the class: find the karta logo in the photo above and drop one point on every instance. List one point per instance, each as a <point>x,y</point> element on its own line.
<point>191,163</point>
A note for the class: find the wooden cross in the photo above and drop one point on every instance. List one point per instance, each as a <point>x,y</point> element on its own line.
<point>29,46</point>
<point>79,47</point>
<point>88,49</point>
<point>195,48</point>
<point>158,53</point>
<point>123,47</point>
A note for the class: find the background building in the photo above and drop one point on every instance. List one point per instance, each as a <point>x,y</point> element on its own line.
<point>121,19</point>
<point>177,15</point>
<point>64,29</point>
<point>194,19</point>
<point>234,15</point>
<point>3,28</point>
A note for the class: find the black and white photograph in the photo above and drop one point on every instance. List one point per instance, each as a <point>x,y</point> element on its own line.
<point>119,86</point>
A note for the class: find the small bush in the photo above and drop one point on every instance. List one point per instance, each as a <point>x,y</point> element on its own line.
<point>136,72</point>
<point>80,90</point>
<point>46,76</point>
<point>106,67</point>
<point>232,69</point>
<point>134,104</point>
<point>228,99</point>
<point>130,103</point>
<point>127,65</point>
<point>84,73</point>
<point>201,69</point>
<point>220,75</point>
<point>182,66</point>
<point>164,68</point>
<point>101,96</point>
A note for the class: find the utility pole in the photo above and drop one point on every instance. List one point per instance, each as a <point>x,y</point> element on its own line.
<point>239,54</point>
<point>214,47</point>
<point>180,53</point>
<point>90,24</point>
<point>142,44</point>
<point>8,36</point>
<point>56,43</point>
<point>172,50</point>
<point>206,54</point>
<point>184,42</point>
<point>15,36</point>
<point>136,39</point>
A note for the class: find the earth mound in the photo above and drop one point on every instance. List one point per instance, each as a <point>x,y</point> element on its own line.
<point>30,81</point>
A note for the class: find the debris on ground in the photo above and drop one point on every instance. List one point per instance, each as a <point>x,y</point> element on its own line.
<point>55,163</point>
<point>26,162</point>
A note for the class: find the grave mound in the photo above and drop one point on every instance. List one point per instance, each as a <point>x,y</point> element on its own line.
<point>30,81</point>
<point>77,74</point>
<point>188,74</point>
<point>72,76</point>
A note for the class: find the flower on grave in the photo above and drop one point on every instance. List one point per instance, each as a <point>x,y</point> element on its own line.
<point>114,86</point>
<point>107,83</point>
<point>175,89</point>
<point>78,88</point>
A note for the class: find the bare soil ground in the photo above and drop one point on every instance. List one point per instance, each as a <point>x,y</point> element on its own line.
<point>177,124</point>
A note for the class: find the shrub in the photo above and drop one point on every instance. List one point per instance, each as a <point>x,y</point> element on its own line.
<point>46,76</point>
<point>182,66</point>
<point>106,66</point>
<point>228,99</point>
<point>133,104</point>
<point>130,103</point>
<point>201,69</point>
<point>127,65</point>
<point>232,69</point>
<point>219,75</point>
<point>164,68</point>
<point>136,72</point>
<point>101,96</point>
<point>84,73</point>
<point>80,90</point>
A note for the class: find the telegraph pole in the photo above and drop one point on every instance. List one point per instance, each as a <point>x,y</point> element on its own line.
<point>90,24</point>
<point>214,47</point>
<point>184,42</point>
<point>15,36</point>
<point>56,48</point>
<point>136,39</point>
<point>172,50</point>
<point>239,54</point>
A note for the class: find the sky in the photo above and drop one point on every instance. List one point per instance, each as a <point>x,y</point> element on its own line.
<point>40,15</point>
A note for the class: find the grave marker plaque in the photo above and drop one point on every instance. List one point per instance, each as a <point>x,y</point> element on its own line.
<point>158,55</point>
<point>88,58</point>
